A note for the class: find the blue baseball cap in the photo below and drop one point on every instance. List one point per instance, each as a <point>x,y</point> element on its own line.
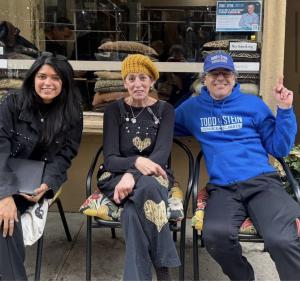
<point>218,60</point>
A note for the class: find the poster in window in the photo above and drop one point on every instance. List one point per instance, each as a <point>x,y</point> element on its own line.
<point>239,16</point>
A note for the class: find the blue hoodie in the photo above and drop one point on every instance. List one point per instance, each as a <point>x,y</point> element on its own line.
<point>236,134</point>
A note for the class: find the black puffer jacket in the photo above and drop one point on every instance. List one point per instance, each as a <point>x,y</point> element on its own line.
<point>18,138</point>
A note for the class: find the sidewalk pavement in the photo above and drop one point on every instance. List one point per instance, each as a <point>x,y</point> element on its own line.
<point>63,260</point>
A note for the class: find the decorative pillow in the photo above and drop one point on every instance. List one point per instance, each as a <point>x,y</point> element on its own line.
<point>197,220</point>
<point>10,83</point>
<point>12,73</point>
<point>129,47</point>
<point>108,74</point>
<point>99,205</point>
<point>103,83</point>
<point>100,98</point>
<point>223,44</point>
<point>248,78</point>
<point>175,203</point>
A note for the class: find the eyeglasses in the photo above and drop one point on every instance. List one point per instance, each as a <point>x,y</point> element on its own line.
<point>57,56</point>
<point>215,74</point>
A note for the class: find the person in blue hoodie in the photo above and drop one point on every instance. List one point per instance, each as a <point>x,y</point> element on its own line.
<point>237,131</point>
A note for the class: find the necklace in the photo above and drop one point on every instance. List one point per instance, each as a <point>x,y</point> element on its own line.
<point>42,119</point>
<point>133,119</point>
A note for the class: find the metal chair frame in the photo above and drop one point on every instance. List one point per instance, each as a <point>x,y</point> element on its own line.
<point>40,242</point>
<point>99,223</point>
<point>242,237</point>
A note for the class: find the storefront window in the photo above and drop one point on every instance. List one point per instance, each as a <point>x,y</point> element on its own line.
<point>172,32</point>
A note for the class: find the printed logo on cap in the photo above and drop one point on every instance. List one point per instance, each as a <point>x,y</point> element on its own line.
<point>219,59</point>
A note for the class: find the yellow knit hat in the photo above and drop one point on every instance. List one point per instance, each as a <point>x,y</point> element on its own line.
<point>139,64</point>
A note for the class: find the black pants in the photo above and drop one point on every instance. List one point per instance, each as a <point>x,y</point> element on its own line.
<point>273,213</point>
<point>146,230</point>
<point>12,255</point>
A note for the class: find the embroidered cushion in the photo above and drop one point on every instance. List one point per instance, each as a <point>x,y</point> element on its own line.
<point>197,220</point>
<point>175,203</point>
<point>98,205</point>
<point>129,47</point>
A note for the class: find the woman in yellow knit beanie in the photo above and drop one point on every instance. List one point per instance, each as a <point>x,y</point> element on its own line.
<point>138,134</point>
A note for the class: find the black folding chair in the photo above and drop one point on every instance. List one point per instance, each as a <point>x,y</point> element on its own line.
<point>254,238</point>
<point>99,223</point>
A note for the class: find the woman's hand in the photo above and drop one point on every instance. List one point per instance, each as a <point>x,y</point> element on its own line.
<point>124,187</point>
<point>148,167</point>
<point>8,215</point>
<point>38,193</point>
<point>283,96</point>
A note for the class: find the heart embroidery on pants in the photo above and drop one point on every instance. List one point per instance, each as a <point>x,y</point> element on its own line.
<point>141,144</point>
<point>156,213</point>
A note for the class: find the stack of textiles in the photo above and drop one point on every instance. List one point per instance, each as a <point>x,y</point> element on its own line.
<point>118,50</point>
<point>238,56</point>
<point>12,83</point>
<point>108,88</point>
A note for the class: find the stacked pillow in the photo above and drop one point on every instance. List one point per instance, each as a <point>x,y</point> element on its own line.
<point>238,56</point>
<point>109,87</point>
<point>118,50</point>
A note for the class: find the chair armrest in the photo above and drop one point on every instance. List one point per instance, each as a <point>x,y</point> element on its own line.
<point>291,179</point>
<point>91,172</point>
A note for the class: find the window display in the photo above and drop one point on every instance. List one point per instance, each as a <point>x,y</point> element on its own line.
<point>98,34</point>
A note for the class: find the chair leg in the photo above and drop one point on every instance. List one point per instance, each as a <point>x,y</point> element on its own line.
<point>63,218</point>
<point>182,249</point>
<point>38,263</point>
<point>195,255</point>
<point>113,233</point>
<point>175,236</point>
<point>88,248</point>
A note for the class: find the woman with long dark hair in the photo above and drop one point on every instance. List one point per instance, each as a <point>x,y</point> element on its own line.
<point>41,122</point>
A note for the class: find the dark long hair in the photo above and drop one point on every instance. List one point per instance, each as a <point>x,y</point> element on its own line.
<point>66,110</point>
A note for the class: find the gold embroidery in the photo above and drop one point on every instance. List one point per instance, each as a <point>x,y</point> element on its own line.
<point>162,181</point>
<point>104,175</point>
<point>141,145</point>
<point>156,213</point>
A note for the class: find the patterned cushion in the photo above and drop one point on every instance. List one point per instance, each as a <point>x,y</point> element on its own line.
<point>100,98</point>
<point>238,56</point>
<point>100,206</point>
<point>197,220</point>
<point>7,83</point>
<point>223,44</point>
<point>248,78</point>
<point>129,47</point>
<point>108,74</point>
